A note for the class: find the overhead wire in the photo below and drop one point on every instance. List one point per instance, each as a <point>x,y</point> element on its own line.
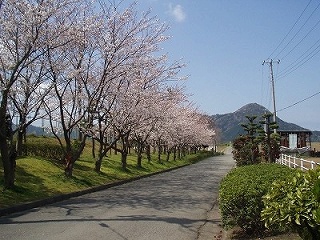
<point>296,103</point>
<point>300,61</point>
<point>303,58</point>
<point>290,29</point>
<point>301,40</point>
<point>295,35</point>
<point>286,70</point>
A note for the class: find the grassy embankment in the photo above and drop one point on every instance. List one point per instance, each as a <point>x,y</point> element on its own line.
<point>38,178</point>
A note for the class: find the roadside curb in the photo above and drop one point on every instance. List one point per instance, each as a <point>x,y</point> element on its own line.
<point>58,198</point>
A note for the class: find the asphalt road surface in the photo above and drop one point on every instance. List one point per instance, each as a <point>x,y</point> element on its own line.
<point>172,205</point>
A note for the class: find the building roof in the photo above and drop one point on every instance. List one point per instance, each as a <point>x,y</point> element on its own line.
<point>295,131</point>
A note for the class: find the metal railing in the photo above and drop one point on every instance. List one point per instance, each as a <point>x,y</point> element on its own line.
<point>294,162</point>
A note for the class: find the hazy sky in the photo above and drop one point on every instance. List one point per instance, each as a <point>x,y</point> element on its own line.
<point>224,42</point>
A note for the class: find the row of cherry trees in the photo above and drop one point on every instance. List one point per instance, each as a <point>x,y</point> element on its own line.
<point>97,68</point>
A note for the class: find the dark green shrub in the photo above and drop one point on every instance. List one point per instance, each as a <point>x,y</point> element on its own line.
<point>273,145</point>
<point>295,203</point>
<point>244,151</point>
<point>241,192</point>
<point>43,147</point>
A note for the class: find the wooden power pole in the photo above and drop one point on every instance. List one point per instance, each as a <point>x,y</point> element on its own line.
<point>270,62</point>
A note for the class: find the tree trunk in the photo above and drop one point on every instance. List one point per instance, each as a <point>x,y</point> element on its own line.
<point>139,155</point>
<point>159,154</point>
<point>72,155</point>
<point>115,148</point>
<point>148,152</point>
<point>174,153</point>
<point>124,151</point>
<point>179,153</point>
<point>68,170</point>
<point>253,157</point>
<point>8,153</point>
<point>124,155</point>
<point>69,165</point>
<point>93,148</point>
<point>154,150</point>
<point>168,155</point>
<point>164,149</point>
<point>159,151</point>
<point>98,162</point>
<point>9,163</point>
<point>183,151</point>
<point>139,160</point>
<point>21,138</point>
<point>21,134</point>
<point>19,142</point>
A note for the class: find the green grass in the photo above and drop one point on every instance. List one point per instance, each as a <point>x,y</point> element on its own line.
<point>38,178</point>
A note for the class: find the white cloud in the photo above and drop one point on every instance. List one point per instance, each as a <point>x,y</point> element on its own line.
<point>177,12</point>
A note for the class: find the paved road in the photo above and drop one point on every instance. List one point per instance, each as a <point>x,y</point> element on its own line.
<point>173,205</point>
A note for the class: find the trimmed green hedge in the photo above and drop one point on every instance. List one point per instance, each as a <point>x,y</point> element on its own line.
<point>43,147</point>
<point>241,192</point>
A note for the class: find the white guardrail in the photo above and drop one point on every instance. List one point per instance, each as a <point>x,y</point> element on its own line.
<point>294,162</point>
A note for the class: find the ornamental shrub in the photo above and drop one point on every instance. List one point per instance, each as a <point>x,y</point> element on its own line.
<point>244,151</point>
<point>295,203</point>
<point>241,191</point>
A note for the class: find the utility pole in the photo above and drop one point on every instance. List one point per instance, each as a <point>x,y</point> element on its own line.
<point>270,62</point>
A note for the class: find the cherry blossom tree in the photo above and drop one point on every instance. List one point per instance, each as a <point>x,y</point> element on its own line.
<point>26,96</point>
<point>138,109</point>
<point>24,33</point>
<point>154,106</point>
<point>95,69</point>
<point>184,128</point>
<point>72,70</point>
<point>129,45</point>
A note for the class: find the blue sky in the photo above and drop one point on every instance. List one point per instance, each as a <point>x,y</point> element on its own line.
<point>224,42</point>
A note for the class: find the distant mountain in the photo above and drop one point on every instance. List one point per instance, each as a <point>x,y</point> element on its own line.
<point>229,124</point>
<point>315,137</point>
<point>34,130</point>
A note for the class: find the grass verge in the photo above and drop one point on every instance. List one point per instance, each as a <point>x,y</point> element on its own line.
<point>38,178</point>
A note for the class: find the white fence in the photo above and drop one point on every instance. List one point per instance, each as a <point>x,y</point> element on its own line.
<point>295,162</point>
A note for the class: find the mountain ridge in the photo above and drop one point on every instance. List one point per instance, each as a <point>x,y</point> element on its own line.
<point>229,124</point>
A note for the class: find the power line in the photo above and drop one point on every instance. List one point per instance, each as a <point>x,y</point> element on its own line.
<point>290,29</point>
<point>299,102</point>
<point>299,61</point>
<point>298,32</point>
<point>308,54</point>
<point>302,56</point>
<point>301,39</point>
